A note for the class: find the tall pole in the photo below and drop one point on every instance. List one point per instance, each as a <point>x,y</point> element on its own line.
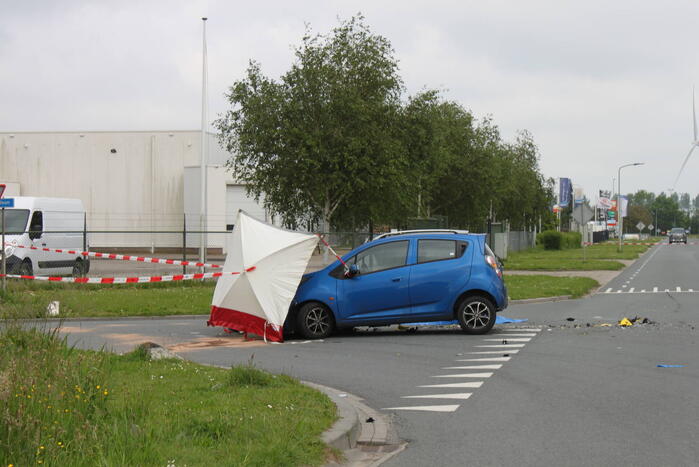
<point>620,221</point>
<point>4,268</point>
<point>203,160</point>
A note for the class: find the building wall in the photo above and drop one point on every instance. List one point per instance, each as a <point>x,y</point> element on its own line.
<point>128,181</point>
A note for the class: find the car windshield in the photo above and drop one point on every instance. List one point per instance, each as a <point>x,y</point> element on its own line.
<point>15,220</point>
<point>677,230</point>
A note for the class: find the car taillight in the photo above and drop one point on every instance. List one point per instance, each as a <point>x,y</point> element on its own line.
<point>494,264</point>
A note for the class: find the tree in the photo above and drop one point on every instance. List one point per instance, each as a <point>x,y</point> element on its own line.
<point>326,133</point>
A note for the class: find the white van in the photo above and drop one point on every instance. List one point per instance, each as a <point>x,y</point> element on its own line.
<point>56,223</point>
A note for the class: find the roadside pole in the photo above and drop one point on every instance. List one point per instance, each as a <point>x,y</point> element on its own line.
<point>4,269</point>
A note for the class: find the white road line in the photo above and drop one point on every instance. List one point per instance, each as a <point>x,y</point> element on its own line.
<point>466,375</point>
<point>490,352</point>
<point>515,335</point>
<point>618,291</point>
<point>655,289</point>
<point>470,384</point>
<point>486,359</point>
<point>474,367</point>
<point>457,395</point>
<point>521,329</point>
<point>631,289</point>
<point>678,288</point>
<point>502,346</point>
<point>427,408</point>
<point>643,291</point>
<point>508,339</point>
<point>691,290</point>
<point>608,290</point>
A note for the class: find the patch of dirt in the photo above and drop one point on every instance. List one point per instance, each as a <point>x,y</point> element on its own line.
<point>212,342</point>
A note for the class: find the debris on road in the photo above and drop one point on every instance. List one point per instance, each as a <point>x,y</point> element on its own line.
<point>625,322</point>
<point>663,365</point>
<point>570,319</point>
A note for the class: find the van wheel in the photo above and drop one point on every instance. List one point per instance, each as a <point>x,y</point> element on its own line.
<point>476,315</point>
<point>79,269</point>
<point>25,269</point>
<point>315,321</point>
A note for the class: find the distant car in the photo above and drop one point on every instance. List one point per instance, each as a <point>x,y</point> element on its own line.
<point>403,277</point>
<point>677,235</point>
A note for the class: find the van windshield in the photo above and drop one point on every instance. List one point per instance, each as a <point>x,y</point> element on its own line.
<point>15,221</point>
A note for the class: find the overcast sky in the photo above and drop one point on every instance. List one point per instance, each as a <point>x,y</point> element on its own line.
<point>597,83</point>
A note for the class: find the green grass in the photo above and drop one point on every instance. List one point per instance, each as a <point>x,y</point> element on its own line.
<point>538,286</point>
<point>62,406</point>
<point>597,257</point>
<point>160,299</point>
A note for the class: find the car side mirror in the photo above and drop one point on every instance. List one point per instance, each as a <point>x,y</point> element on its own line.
<point>353,270</point>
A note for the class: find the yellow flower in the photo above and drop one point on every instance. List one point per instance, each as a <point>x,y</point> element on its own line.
<point>98,386</point>
<point>105,392</point>
<point>60,443</point>
<point>41,447</point>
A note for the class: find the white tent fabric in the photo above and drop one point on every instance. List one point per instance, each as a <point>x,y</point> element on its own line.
<point>271,262</point>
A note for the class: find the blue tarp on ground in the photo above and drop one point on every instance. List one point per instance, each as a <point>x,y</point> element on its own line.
<point>498,320</point>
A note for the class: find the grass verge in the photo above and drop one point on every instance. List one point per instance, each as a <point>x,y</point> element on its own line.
<point>521,287</point>
<point>595,257</point>
<point>63,406</point>
<point>30,299</point>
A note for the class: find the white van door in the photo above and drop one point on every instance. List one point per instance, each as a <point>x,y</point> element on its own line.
<point>62,230</point>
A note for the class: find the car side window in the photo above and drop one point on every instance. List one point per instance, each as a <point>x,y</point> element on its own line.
<point>380,257</point>
<point>437,250</point>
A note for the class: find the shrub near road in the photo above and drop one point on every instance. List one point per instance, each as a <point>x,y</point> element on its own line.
<point>62,406</point>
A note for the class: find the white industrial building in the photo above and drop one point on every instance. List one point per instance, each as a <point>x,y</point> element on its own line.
<point>132,183</point>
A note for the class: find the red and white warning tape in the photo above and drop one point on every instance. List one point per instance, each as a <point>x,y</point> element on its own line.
<point>141,259</point>
<point>126,280</point>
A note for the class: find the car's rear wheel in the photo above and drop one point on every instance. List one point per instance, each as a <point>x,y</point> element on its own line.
<point>315,321</point>
<point>476,315</point>
<point>79,268</point>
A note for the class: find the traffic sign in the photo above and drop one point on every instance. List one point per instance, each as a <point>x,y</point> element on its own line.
<point>7,203</point>
<point>640,225</point>
<point>651,227</point>
<point>611,214</point>
<point>2,189</point>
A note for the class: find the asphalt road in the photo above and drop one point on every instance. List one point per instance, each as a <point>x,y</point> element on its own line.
<point>558,390</point>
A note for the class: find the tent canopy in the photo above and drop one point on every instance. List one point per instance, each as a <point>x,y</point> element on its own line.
<point>270,262</point>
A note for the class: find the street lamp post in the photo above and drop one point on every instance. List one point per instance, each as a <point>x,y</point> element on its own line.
<point>620,221</point>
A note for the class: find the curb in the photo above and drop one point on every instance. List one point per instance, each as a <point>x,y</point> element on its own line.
<point>344,433</point>
<point>111,318</point>
<point>540,300</point>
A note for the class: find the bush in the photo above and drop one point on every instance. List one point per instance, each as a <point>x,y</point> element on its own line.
<point>550,239</point>
<point>571,240</point>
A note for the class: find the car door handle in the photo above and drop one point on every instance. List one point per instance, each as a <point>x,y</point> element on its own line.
<point>395,279</point>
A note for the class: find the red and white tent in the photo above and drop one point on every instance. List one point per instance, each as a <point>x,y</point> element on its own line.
<point>271,262</point>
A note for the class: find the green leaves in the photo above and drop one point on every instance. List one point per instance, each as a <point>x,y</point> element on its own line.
<point>332,141</point>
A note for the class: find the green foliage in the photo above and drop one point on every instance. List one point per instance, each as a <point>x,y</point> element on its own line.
<point>63,406</point>
<point>550,239</point>
<point>335,140</point>
<point>571,240</point>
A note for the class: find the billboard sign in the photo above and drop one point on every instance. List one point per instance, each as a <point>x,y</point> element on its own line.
<point>564,192</point>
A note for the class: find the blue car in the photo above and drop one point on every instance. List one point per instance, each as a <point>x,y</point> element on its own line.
<point>403,277</point>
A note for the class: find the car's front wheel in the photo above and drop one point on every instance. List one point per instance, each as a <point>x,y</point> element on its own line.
<point>25,269</point>
<point>315,321</point>
<point>476,315</point>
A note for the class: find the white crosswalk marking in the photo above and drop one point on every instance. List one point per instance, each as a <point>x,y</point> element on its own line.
<point>427,408</point>
<point>473,367</point>
<point>466,375</point>
<point>655,289</point>
<point>490,352</point>
<point>609,290</point>
<point>458,395</point>
<point>486,359</point>
<point>512,334</point>
<point>504,346</point>
<point>470,384</point>
<point>521,329</point>
<point>508,339</point>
